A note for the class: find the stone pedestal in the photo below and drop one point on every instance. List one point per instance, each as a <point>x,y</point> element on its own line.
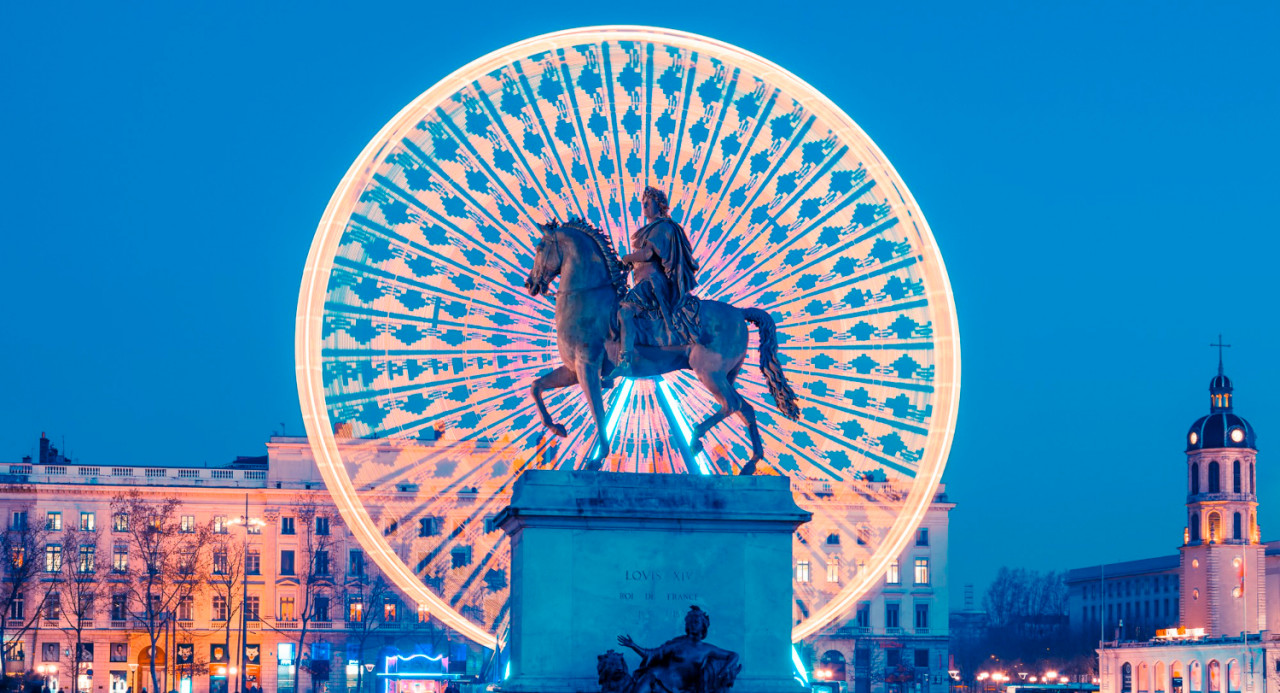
<point>598,554</point>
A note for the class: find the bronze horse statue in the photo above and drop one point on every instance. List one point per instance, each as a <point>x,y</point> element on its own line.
<point>592,283</point>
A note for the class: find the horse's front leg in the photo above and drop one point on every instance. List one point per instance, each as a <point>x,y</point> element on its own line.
<point>589,379</point>
<point>560,377</point>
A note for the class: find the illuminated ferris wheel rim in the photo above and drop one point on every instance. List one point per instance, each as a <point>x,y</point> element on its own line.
<point>311,310</point>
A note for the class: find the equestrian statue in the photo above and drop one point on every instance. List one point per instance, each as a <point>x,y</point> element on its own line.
<point>606,330</point>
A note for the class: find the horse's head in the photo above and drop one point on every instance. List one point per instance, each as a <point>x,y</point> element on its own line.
<point>547,260</point>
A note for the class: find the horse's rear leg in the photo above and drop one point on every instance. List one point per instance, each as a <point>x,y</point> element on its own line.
<point>560,377</point>
<point>723,391</point>
<point>589,379</point>
<point>748,416</point>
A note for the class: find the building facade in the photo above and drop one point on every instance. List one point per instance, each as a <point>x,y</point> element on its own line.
<point>896,639</point>
<point>1219,642</point>
<point>314,610</point>
<point>342,622</point>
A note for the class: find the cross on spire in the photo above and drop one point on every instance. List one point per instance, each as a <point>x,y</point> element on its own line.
<point>1220,346</point>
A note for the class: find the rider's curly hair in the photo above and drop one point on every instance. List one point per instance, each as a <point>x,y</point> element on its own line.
<point>664,207</point>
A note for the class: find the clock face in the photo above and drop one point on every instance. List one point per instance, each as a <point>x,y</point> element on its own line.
<point>1237,435</point>
<point>1194,438</point>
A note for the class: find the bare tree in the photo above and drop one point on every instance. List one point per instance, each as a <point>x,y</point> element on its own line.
<point>226,579</point>
<point>313,562</point>
<point>77,592</point>
<point>173,562</point>
<point>366,594</point>
<point>22,594</point>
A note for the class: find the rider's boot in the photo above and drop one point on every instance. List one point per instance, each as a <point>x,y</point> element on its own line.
<point>627,354</point>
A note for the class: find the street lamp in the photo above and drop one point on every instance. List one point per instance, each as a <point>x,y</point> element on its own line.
<point>368,667</point>
<point>242,684</point>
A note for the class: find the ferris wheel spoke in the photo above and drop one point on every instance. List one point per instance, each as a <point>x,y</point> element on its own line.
<point>763,241</point>
<point>530,103</point>
<point>583,137</point>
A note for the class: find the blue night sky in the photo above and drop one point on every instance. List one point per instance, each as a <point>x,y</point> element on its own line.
<point>1101,180</point>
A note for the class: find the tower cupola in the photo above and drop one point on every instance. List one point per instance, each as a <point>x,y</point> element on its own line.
<point>1222,428</point>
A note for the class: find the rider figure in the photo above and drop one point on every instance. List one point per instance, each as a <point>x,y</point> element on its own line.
<point>663,273</point>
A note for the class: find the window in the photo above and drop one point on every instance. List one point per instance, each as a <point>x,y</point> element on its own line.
<point>892,577</point>
<point>355,609</point>
<point>18,557</point>
<point>1195,526</point>
<point>922,659</point>
<point>286,608</point>
<point>355,563</point>
<point>19,520</point>
<point>17,608</point>
<point>321,608</point>
<point>428,526</point>
<point>1215,477</point>
<point>393,525</point>
<point>892,658</point>
<point>1236,527</point>
<point>922,616</point>
<point>322,526</point>
<point>253,562</point>
<point>220,562</point>
<point>922,536</point>
<point>922,571</point>
<point>87,522</point>
<point>120,558</point>
<point>220,524</point>
<point>286,562</point>
<point>188,524</point>
<point>119,607</point>
<point>286,525</point>
<point>833,569</point>
<point>1235,476</point>
<point>186,607</point>
<point>864,615</point>
<point>321,563</point>
<point>53,522</point>
<point>120,522</point>
<point>424,614</point>
<point>88,564</point>
<point>833,539</point>
<point>460,556</point>
<point>890,615</point>
<point>254,526</point>
<point>802,571</point>
<point>53,558</point>
<point>389,607</point>
<point>14,652</point>
<point>219,608</point>
<point>252,605</point>
<point>53,606</point>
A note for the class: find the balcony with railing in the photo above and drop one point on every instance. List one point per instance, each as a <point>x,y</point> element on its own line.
<point>130,476</point>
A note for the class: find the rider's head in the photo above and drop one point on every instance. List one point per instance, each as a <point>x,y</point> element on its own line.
<point>655,203</point>
<point>696,623</point>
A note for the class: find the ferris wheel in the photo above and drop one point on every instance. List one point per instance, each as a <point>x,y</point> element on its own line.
<point>417,344</point>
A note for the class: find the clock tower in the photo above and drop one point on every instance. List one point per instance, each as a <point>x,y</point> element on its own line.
<point>1222,574</point>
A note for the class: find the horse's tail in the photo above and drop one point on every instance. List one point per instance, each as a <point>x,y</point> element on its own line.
<point>782,393</point>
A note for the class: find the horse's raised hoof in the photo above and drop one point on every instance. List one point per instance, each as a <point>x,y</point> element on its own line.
<point>558,430</point>
<point>593,465</point>
<point>696,446</point>
<point>748,469</point>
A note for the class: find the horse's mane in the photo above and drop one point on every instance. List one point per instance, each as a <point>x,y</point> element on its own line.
<point>613,264</point>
